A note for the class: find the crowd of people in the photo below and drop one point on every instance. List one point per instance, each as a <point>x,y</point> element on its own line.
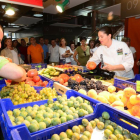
<point>59,52</point>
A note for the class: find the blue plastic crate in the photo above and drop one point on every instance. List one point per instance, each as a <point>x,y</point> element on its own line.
<point>2,81</point>
<point>35,66</point>
<point>6,104</point>
<point>22,133</point>
<point>124,84</point>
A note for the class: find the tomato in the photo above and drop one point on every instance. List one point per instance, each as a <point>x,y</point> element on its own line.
<point>44,84</point>
<point>91,65</point>
<point>36,79</point>
<point>61,81</point>
<point>31,83</point>
<point>29,79</point>
<point>55,78</point>
<point>78,77</point>
<point>65,77</point>
<point>31,73</point>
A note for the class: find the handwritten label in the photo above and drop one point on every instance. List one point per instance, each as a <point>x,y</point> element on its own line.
<point>138,86</point>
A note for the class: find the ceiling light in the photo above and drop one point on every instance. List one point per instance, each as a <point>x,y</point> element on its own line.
<point>60,7</point>
<point>38,15</point>
<point>9,10</point>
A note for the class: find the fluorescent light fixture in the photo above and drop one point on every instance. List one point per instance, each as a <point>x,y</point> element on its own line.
<point>9,10</point>
<point>60,7</point>
<point>38,15</point>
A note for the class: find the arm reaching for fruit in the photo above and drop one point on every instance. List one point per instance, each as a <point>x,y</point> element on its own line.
<point>13,72</point>
<point>113,67</point>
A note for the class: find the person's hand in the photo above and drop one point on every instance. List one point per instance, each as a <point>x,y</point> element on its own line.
<point>138,63</point>
<point>78,64</point>
<point>19,55</point>
<point>108,67</point>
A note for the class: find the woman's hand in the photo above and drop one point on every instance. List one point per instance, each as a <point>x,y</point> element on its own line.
<point>109,67</point>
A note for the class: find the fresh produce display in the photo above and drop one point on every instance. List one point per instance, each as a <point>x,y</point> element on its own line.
<point>24,93</point>
<point>125,100</point>
<point>34,80</point>
<point>49,72</point>
<point>64,78</point>
<point>85,85</point>
<point>50,114</point>
<point>84,131</point>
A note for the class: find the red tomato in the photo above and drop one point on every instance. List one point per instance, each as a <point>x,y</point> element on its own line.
<point>31,73</point>
<point>91,65</point>
<point>29,79</point>
<point>78,77</point>
<point>61,81</point>
<point>44,84</point>
<point>36,79</point>
<point>31,83</point>
<point>65,77</point>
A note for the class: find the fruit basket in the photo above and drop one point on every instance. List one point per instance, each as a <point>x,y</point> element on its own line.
<point>22,133</point>
<point>6,105</point>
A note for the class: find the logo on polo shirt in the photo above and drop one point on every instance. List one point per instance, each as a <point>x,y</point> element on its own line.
<point>120,51</point>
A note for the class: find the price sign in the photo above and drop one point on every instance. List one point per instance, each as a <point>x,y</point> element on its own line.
<point>138,86</point>
<point>31,3</point>
<point>130,8</point>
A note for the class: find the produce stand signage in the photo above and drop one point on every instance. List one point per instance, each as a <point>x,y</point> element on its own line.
<point>32,3</point>
<point>138,86</point>
<point>130,8</point>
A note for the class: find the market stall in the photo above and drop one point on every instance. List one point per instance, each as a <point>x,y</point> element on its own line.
<point>69,106</point>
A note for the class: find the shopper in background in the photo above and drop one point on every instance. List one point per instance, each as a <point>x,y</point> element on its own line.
<point>46,42</point>
<point>72,46</point>
<point>35,52</point>
<point>16,45</point>
<point>116,55</point>
<point>57,41</point>
<point>54,52</point>
<point>23,51</point>
<point>45,49</point>
<point>11,52</point>
<point>64,52</point>
<point>83,53</point>
<point>133,50</point>
<point>92,47</point>
<point>10,70</point>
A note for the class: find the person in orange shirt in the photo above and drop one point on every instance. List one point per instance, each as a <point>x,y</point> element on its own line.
<point>35,52</point>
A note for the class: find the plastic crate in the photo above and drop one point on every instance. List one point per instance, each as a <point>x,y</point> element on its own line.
<point>2,82</point>
<point>6,104</point>
<point>137,77</point>
<point>35,66</point>
<point>115,116</point>
<point>124,84</point>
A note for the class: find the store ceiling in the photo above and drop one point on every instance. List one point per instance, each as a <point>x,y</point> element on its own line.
<point>76,10</point>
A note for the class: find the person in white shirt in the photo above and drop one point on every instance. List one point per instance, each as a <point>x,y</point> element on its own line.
<point>54,53</point>
<point>133,50</point>
<point>116,55</point>
<point>72,46</point>
<point>64,52</point>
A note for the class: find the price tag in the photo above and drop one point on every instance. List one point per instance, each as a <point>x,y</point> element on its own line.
<point>138,86</point>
